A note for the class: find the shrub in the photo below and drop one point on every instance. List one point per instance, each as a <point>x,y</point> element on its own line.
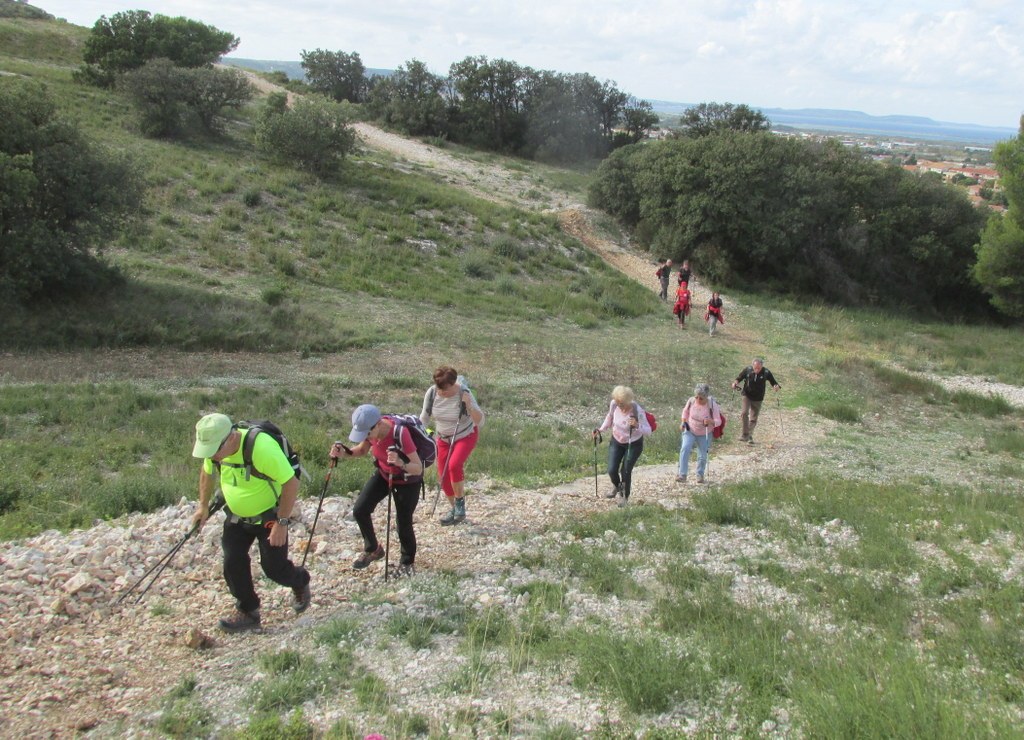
<point>60,197</point>
<point>313,135</point>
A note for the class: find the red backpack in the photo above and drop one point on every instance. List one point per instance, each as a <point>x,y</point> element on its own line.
<point>719,430</point>
<point>650,417</point>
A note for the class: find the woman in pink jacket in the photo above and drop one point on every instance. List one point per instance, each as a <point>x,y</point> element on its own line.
<point>629,425</point>
<point>700,416</point>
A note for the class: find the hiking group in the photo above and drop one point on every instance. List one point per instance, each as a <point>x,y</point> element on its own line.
<point>684,296</point>
<point>258,474</point>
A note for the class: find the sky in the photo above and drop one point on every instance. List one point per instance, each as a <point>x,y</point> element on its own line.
<point>951,60</point>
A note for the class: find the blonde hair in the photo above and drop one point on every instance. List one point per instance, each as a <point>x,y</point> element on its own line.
<point>622,395</point>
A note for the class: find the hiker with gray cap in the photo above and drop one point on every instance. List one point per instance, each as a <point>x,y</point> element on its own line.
<point>398,473</point>
<point>700,416</point>
<point>259,496</point>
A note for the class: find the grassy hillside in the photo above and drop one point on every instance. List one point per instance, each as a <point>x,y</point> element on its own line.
<point>872,586</point>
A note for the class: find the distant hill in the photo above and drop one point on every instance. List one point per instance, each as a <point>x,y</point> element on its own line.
<point>294,70</point>
<point>856,122</point>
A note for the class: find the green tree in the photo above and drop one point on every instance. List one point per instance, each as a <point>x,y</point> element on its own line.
<point>708,118</point>
<point>129,39</point>
<point>336,74</point>
<point>61,197</point>
<point>159,91</point>
<point>1000,265</point>
<point>213,90</point>
<point>638,118</point>
<point>411,99</point>
<point>797,217</point>
<point>314,135</point>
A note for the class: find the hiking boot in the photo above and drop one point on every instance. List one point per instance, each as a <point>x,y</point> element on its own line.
<point>457,513</point>
<point>302,597</point>
<point>614,493</point>
<point>750,440</point>
<point>365,558</point>
<point>623,502</point>
<point>241,621</point>
<point>680,479</point>
<point>448,518</point>
<point>405,570</point>
<point>700,478</point>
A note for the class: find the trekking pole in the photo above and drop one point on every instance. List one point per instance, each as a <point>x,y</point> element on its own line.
<point>447,461</point>
<point>387,537</point>
<point>164,561</point>
<point>778,405</point>
<point>597,440</point>
<point>319,506</point>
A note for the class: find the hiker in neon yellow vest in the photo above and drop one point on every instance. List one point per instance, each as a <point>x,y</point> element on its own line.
<point>258,498</point>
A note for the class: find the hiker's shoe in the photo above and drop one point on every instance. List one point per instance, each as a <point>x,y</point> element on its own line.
<point>241,621</point>
<point>680,479</point>
<point>301,598</point>
<point>700,478</point>
<point>614,493</point>
<point>744,438</point>
<point>365,558</point>
<point>405,570</point>
<point>624,501</point>
<point>448,518</point>
<point>750,440</point>
<point>460,509</point>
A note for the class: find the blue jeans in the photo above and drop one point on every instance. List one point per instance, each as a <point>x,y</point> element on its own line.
<point>620,464</point>
<point>689,440</point>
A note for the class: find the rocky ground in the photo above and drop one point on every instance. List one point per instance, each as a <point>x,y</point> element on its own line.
<point>75,660</point>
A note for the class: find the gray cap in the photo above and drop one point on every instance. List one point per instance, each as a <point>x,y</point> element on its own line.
<point>363,420</point>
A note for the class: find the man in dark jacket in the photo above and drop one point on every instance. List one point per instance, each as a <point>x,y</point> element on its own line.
<point>663,274</point>
<point>754,377</point>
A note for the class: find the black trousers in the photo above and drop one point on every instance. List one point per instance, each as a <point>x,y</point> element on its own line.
<point>407,495</point>
<point>621,459</point>
<point>236,541</point>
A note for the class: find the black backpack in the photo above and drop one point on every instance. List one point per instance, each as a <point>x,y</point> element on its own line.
<point>425,446</point>
<point>255,428</point>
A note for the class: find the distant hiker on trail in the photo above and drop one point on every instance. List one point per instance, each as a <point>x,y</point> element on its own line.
<point>663,274</point>
<point>754,377</point>
<point>681,309</point>
<point>684,274</point>
<point>259,497</point>
<point>700,415</point>
<point>713,315</point>
<point>398,471</point>
<point>457,418</point>
<point>629,425</point>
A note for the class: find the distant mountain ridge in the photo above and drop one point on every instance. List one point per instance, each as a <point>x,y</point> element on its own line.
<point>857,122</point>
<point>826,120</point>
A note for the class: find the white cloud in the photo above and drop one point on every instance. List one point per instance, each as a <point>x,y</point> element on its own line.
<point>957,60</point>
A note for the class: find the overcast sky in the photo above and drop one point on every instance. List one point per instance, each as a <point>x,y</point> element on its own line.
<point>951,60</point>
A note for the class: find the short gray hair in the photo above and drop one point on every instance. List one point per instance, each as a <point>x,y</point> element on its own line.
<point>702,390</point>
<point>757,361</point>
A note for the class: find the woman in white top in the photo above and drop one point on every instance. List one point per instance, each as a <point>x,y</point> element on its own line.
<point>457,419</point>
<point>629,425</point>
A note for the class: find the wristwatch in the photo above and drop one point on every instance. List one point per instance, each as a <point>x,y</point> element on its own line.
<point>284,521</point>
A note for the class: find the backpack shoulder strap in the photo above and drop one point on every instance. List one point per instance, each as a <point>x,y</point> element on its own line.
<point>431,393</point>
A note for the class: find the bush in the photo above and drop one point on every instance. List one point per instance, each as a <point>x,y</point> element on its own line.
<point>61,197</point>
<point>313,135</point>
<point>128,40</point>
<point>168,96</point>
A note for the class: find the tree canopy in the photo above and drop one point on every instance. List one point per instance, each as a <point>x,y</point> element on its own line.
<point>1000,266</point>
<point>60,198</point>
<point>336,74</point>
<point>799,217</point>
<point>709,118</point>
<point>129,39</point>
